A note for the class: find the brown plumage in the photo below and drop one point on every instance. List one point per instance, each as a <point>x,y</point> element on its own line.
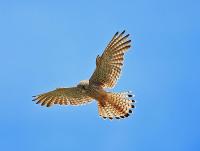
<point>108,69</point>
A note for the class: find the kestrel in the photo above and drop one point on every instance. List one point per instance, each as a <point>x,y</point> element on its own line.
<point>108,68</point>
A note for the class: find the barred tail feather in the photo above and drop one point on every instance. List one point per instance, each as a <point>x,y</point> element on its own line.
<point>117,105</point>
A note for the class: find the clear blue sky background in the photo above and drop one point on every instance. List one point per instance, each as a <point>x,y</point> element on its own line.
<point>42,45</point>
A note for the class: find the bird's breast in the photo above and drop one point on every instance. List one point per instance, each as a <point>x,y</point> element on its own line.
<point>96,92</point>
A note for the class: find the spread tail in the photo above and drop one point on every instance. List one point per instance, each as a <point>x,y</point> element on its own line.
<point>116,105</point>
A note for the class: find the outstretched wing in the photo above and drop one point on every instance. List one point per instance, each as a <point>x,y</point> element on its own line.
<point>63,96</point>
<point>109,64</point>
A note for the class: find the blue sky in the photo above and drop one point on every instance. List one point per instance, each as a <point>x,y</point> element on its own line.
<point>43,44</point>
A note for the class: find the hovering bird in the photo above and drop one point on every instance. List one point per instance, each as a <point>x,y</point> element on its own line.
<point>108,68</point>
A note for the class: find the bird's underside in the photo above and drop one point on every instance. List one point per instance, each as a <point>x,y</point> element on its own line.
<point>108,69</point>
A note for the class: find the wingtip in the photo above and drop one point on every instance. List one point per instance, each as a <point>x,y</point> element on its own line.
<point>116,33</point>
<point>123,32</point>
<point>48,105</point>
<point>34,99</point>
<point>43,103</point>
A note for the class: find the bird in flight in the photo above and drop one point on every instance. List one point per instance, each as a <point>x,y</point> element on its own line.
<point>108,68</point>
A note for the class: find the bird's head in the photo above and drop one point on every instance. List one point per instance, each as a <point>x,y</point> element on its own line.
<point>83,84</point>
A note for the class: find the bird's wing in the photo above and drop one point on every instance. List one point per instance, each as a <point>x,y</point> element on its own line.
<point>109,64</point>
<point>63,96</point>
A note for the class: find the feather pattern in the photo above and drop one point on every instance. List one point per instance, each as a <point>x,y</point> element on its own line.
<point>63,96</point>
<point>117,105</point>
<point>109,64</point>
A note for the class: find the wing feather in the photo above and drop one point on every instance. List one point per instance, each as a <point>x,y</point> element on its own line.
<point>63,96</point>
<point>109,64</point>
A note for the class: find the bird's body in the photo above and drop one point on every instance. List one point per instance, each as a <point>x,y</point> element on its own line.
<point>108,69</point>
<point>93,90</point>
